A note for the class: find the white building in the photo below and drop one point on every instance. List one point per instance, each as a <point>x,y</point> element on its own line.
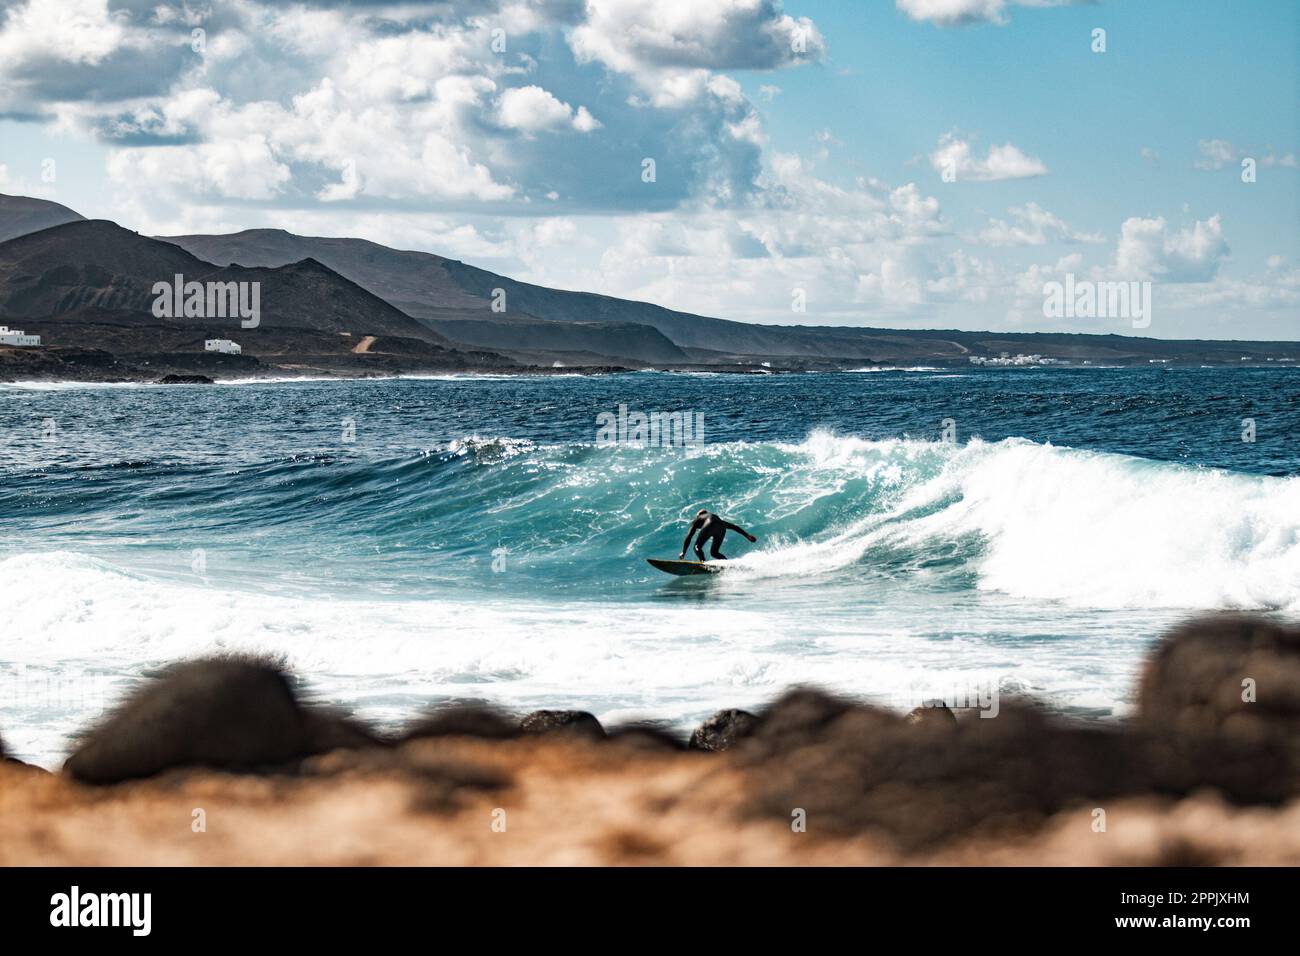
<point>10,336</point>
<point>224,346</point>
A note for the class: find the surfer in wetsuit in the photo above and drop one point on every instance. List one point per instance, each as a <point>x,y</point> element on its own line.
<point>712,529</point>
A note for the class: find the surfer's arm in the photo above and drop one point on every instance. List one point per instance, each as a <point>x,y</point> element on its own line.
<point>695,526</point>
<point>739,530</point>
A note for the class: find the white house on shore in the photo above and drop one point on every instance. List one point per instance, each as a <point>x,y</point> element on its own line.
<point>225,346</point>
<point>17,337</point>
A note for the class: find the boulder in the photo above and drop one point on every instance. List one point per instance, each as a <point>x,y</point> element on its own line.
<point>225,713</point>
<point>1219,703</point>
<point>1224,674</point>
<point>646,736</point>
<point>723,729</point>
<point>575,722</point>
<point>464,720</point>
<point>869,771</point>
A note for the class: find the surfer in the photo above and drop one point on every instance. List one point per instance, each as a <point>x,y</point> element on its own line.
<point>712,529</point>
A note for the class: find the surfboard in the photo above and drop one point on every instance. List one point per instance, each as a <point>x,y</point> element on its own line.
<point>685,567</point>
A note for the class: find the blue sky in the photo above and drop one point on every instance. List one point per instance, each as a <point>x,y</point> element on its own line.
<point>799,146</point>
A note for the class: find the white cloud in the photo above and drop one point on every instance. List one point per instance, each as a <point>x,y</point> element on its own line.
<point>670,49</point>
<point>533,109</point>
<point>1032,225</point>
<point>232,169</point>
<point>954,157</point>
<point>68,31</point>
<point>954,12</point>
<point>1029,284</point>
<point>1147,249</point>
<point>857,251</point>
<point>416,105</point>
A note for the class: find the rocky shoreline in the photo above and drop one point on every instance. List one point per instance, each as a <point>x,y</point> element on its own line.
<point>222,761</point>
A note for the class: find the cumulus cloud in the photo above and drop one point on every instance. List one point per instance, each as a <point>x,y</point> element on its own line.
<point>85,51</point>
<point>1148,249</point>
<point>672,49</point>
<point>533,109</point>
<point>240,169</point>
<point>955,158</point>
<point>1032,225</point>
<point>956,12</point>
<point>436,102</point>
<point>865,248</point>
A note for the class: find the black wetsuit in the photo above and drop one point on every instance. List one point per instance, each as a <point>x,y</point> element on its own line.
<point>711,529</point>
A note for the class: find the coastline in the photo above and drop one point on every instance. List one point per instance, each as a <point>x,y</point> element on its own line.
<point>278,376</point>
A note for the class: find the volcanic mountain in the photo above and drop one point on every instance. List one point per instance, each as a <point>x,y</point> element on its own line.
<point>351,306</point>
<point>20,215</point>
<point>90,285</point>
<point>454,298</point>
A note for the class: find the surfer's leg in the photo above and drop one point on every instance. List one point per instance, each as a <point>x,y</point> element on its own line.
<point>715,553</point>
<point>699,550</point>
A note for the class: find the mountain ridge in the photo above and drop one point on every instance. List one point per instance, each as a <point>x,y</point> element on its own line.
<point>20,215</point>
<point>322,296</point>
<point>87,286</point>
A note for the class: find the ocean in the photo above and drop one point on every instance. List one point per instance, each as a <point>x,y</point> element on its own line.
<point>922,533</point>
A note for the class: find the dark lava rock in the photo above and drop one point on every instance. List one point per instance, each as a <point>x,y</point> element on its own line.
<point>233,714</point>
<point>723,729</point>
<point>185,380</point>
<point>464,720</point>
<point>1218,708</point>
<point>1219,701</point>
<point>576,722</point>
<point>802,715</point>
<point>1202,676</point>
<point>646,736</point>
<point>867,770</point>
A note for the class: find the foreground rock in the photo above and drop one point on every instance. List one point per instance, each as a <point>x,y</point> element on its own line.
<point>565,802</point>
<point>645,736</point>
<point>577,723</point>
<point>464,720</point>
<point>849,770</point>
<point>1230,675</point>
<point>231,714</point>
<point>1219,703</point>
<point>1200,776</point>
<point>722,730</point>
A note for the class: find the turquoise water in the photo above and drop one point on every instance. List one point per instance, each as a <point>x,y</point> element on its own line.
<point>405,541</point>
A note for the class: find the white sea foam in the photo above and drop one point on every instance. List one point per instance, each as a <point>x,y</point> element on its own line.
<point>43,386</point>
<point>76,632</point>
<point>1085,528</point>
<point>896,368</point>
